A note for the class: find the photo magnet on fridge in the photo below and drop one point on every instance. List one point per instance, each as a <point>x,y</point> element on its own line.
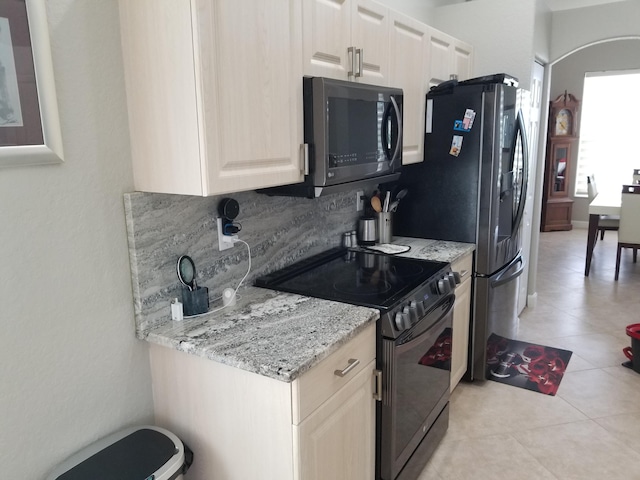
<point>456,145</point>
<point>466,123</point>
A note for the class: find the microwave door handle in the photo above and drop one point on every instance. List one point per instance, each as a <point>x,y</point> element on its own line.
<point>398,148</point>
<point>384,131</point>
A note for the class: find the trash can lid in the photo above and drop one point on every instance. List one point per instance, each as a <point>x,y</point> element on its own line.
<point>136,453</point>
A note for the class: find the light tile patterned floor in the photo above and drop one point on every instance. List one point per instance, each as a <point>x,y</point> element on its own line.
<point>591,428</point>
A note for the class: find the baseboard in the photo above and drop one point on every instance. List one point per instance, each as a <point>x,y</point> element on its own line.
<point>532,300</point>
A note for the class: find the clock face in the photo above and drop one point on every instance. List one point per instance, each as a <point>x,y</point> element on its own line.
<point>563,122</point>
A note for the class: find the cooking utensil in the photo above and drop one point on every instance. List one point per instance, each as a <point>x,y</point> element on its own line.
<point>387,197</point>
<point>376,204</point>
<point>400,195</point>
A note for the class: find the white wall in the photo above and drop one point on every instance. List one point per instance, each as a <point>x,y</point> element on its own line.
<point>71,370</point>
<point>568,74</point>
<point>572,29</point>
<point>502,32</point>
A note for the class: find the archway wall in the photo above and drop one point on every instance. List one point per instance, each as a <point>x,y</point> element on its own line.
<point>572,30</point>
<point>568,74</point>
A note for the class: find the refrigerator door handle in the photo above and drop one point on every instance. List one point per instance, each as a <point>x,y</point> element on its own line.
<point>520,129</point>
<point>507,275</point>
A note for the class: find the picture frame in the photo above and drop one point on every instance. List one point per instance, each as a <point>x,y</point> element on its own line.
<point>29,119</point>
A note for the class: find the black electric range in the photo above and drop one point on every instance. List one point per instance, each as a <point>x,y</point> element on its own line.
<point>364,278</point>
<point>413,346</point>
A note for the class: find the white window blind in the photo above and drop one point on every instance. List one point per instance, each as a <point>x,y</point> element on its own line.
<point>608,129</point>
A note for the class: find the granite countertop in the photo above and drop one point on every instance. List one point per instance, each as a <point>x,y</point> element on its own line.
<point>282,335</point>
<point>438,250</point>
<point>275,334</point>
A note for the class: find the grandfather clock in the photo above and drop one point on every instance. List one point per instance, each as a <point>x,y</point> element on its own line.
<point>561,140</point>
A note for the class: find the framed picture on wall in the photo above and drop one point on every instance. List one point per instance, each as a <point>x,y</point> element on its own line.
<point>29,120</point>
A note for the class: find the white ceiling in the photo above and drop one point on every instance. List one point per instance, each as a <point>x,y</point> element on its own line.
<point>556,5</point>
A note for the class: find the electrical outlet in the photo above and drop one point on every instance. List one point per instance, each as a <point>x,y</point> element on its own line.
<point>359,201</point>
<point>225,242</point>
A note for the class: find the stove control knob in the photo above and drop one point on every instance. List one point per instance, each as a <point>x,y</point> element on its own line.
<point>415,310</point>
<point>419,308</point>
<point>444,286</point>
<point>457,277</point>
<point>452,280</point>
<point>398,321</point>
<point>412,313</point>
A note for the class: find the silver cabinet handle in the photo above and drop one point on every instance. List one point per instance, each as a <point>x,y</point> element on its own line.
<point>377,394</point>
<point>464,273</point>
<point>353,363</point>
<point>351,51</point>
<point>305,158</point>
<point>359,54</point>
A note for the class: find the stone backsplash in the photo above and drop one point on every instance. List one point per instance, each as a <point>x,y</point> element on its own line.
<point>279,231</point>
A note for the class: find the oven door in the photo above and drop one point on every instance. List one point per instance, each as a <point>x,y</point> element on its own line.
<point>416,371</point>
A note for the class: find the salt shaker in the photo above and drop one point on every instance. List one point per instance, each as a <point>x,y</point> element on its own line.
<point>346,240</point>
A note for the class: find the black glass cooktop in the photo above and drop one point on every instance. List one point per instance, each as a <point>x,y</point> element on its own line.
<point>356,277</point>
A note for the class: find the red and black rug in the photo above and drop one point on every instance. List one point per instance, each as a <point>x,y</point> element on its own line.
<point>526,365</point>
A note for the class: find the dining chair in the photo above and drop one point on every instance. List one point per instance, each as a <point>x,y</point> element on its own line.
<point>605,222</point>
<point>629,232</point>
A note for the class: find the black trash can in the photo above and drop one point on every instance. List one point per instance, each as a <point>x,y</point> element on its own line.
<point>136,453</point>
<point>633,352</point>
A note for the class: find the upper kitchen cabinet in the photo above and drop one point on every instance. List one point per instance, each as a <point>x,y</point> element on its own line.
<point>214,90</point>
<point>408,70</point>
<point>448,56</point>
<point>346,40</point>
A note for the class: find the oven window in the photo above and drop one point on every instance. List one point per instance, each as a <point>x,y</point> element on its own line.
<point>354,128</point>
<point>422,370</point>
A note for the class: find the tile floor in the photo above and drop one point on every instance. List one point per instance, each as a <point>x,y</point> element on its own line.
<point>591,428</point>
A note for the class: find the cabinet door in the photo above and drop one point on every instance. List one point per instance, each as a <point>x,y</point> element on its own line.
<point>408,50</point>
<point>250,83</point>
<point>370,37</point>
<point>460,336</point>
<point>440,47</point>
<point>461,319</point>
<point>337,441</point>
<point>462,60</point>
<point>327,36</point>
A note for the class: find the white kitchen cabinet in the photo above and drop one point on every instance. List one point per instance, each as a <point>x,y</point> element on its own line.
<point>346,40</point>
<point>408,61</point>
<point>448,56</point>
<point>337,440</point>
<point>243,425</point>
<point>214,92</point>
<point>461,319</point>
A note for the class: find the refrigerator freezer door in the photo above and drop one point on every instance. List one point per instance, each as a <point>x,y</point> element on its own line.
<point>495,312</point>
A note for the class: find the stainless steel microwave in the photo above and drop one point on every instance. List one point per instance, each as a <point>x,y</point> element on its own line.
<point>352,134</point>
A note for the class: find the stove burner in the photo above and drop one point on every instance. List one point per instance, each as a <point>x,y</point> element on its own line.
<point>362,289</point>
<point>412,270</point>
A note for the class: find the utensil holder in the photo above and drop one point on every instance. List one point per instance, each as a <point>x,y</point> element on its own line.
<point>385,224</point>
<point>196,301</point>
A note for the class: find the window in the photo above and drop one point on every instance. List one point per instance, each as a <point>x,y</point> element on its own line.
<point>608,129</point>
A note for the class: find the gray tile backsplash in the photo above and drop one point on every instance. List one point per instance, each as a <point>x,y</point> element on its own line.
<point>279,230</point>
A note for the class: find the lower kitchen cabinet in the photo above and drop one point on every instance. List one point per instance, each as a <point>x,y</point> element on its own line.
<point>242,425</point>
<point>338,439</point>
<point>461,319</point>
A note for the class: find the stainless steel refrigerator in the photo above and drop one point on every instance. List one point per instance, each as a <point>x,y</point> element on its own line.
<point>471,187</point>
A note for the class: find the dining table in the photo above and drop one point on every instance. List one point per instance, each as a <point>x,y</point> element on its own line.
<point>605,203</point>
